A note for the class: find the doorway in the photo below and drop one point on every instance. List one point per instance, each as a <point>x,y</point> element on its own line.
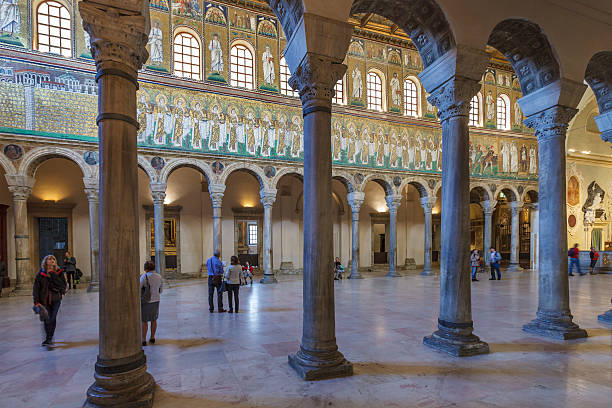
<point>248,237</point>
<point>380,238</point>
<point>52,237</point>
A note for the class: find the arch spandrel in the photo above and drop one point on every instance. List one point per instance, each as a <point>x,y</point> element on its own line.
<point>250,168</point>
<point>507,188</point>
<point>381,180</point>
<point>35,157</point>
<point>417,182</point>
<point>174,164</point>
<point>483,191</point>
<point>345,179</point>
<point>145,165</point>
<point>285,171</point>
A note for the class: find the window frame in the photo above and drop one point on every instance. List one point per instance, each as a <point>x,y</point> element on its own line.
<point>417,85</point>
<point>284,74</point>
<point>506,111</point>
<point>342,99</point>
<point>478,123</point>
<point>383,94</point>
<point>244,44</point>
<point>36,33</point>
<point>251,233</point>
<point>188,32</point>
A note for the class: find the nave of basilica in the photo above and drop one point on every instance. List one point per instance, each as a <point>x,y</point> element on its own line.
<point>395,136</point>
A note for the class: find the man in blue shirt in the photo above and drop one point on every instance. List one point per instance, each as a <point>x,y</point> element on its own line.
<point>215,278</point>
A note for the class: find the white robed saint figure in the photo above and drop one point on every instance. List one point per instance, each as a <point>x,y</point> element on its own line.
<point>216,54</point>
<point>268,66</point>
<point>10,18</point>
<point>357,83</point>
<point>156,43</point>
<point>396,93</point>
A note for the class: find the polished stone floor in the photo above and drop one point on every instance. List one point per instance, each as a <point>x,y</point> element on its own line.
<point>240,360</point>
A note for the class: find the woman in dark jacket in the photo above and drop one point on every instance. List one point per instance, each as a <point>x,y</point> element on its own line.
<point>49,286</point>
<point>70,269</point>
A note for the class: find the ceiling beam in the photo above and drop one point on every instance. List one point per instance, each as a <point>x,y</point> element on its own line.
<point>365,19</point>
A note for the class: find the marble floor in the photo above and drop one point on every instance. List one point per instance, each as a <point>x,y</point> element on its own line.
<point>240,360</point>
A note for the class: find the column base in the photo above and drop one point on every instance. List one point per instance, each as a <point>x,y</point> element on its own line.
<point>606,317</point>
<point>320,366</point>
<point>555,325</point>
<point>21,292</point>
<point>93,287</point>
<point>456,339</point>
<point>393,274</point>
<point>127,385</point>
<point>355,275</point>
<point>427,272</point>
<point>514,268</point>
<point>268,279</point>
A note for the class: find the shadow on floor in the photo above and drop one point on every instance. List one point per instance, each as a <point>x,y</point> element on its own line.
<point>73,344</point>
<point>551,346</point>
<point>187,343</point>
<point>277,309</point>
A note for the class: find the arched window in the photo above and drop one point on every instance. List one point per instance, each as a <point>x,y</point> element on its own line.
<point>411,98</point>
<point>339,92</point>
<point>53,28</point>
<point>285,74</point>
<point>474,118</point>
<point>241,66</point>
<point>187,55</point>
<point>503,112</point>
<point>375,91</point>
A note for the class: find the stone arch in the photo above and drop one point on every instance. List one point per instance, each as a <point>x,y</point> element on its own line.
<point>423,21</point>
<point>345,179</point>
<point>381,181</point>
<point>296,171</point>
<point>250,168</point>
<point>480,192</point>
<point>599,77</point>
<point>7,165</point>
<point>532,194</point>
<point>509,191</point>
<point>529,52</point>
<point>417,182</point>
<point>174,164</point>
<point>145,165</point>
<point>35,157</point>
<point>338,202</point>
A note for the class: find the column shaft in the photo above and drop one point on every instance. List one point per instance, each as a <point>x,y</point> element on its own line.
<point>160,234</point>
<point>94,238</point>
<point>267,199</point>
<point>427,232</point>
<point>393,202</point>
<point>515,236</point>
<point>216,195</point>
<point>25,275</point>
<point>355,199</point>
<point>488,221</point>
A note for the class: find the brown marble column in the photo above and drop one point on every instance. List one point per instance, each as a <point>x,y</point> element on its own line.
<point>93,198</point>
<point>318,356</point>
<point>118,39</point>
<point>21,187</point>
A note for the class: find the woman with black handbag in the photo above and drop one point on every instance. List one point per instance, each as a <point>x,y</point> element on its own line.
<point>49,287</point>
<point>232,283</point>
<point>150,289</point>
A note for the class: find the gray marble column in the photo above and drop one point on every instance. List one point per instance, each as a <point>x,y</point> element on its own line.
<point>535,234</point>
<point>267,199</point>
<point>216,192</point>
<point>516,208</point>
<point>428,204</point>
<point>455,327</point>
<point>487,208</point>
<point>21,187</point>
<point>553,318</point>
<point>118,39</point>
<point>355,199</point>
<point>393,203</point>
<point>93,199</point>
<point>158,193</point>
<point>318,356</point>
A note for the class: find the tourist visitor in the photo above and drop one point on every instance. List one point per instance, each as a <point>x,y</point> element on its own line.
<point>594,255</point>
<point>49,286</point>
<point>215,280</point>
<point>574,255</point>
<point>475,263</point>
<point>70,269</point>
<point>247,272</point>
<point>495,259</point>
<point>151,286</point>
<point>338,269</point>
<point>232,281</point>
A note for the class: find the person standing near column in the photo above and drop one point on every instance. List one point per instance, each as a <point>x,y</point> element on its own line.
<point>593,255</point>
<point>70,269</point>
<point>49,287</point>
<point>494,259</point>
<point>574,255</point>
<point>151,282</point>
<point>215,279</point>
<point>475,263</point>
<point>232,279</point>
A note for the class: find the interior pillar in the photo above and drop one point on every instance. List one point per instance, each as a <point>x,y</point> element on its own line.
<point>516,208</point>
<point>487,208</point>
<point>216,195</point>
<point>393,203</point>
<point>553,318</point>
<point>92,191</point>
<point>118,40</point>
<point>267,199</point>
<point>158,193</point>
<point>21,188</point>
<point>355,200</point>
<point>428,204</point>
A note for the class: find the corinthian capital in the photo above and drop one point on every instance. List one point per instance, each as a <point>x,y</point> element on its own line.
<point>268,197</point>
<point>20,192</point>
<point>315,79</point>
<point>355,200</point>
<point>93,194</point>
<point>551,123</point>
<point>393,202</point>
<point>428,203</point>
<point>119,32</point>
<point>453,97</point>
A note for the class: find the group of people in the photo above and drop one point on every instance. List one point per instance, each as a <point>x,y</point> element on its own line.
<point>477,264</point>
<point>222,280</point>
<point>574,260</point>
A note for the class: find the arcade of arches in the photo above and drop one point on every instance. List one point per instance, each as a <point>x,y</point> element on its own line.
<point>395,136</point>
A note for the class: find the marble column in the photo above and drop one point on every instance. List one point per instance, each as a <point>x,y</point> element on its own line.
<point>606,317</point>
<point>118,39</point>
<point>318,356</point>
<point>534,247</point>
<point>455,327</point>
<point>487,208</point>
<point>428,204</point>
<point>393,203</point>
<point>216,192</point>
<point>92,193</point>
<point>553,317</point>
<point>158,193</point>
<point>355,199</point>
<point>21,187</point>
<point>267,199</point>
<point>516,208</point>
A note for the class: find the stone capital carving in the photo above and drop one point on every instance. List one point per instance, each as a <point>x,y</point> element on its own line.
<point>453,97</point>
<point>551,123</point>
<point>118,34</point>
<point>355,200</point>
<point>428,204</point>
<point>216,192</point>
<point>93,194</point>
<point>315,79</point>
<point>21,186</point>
<point>20,192</point>
<point>516,207</point>
<point>268,198</point>
<point>393,202</point>
<point>158,197</point>
<point>488,206</point>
